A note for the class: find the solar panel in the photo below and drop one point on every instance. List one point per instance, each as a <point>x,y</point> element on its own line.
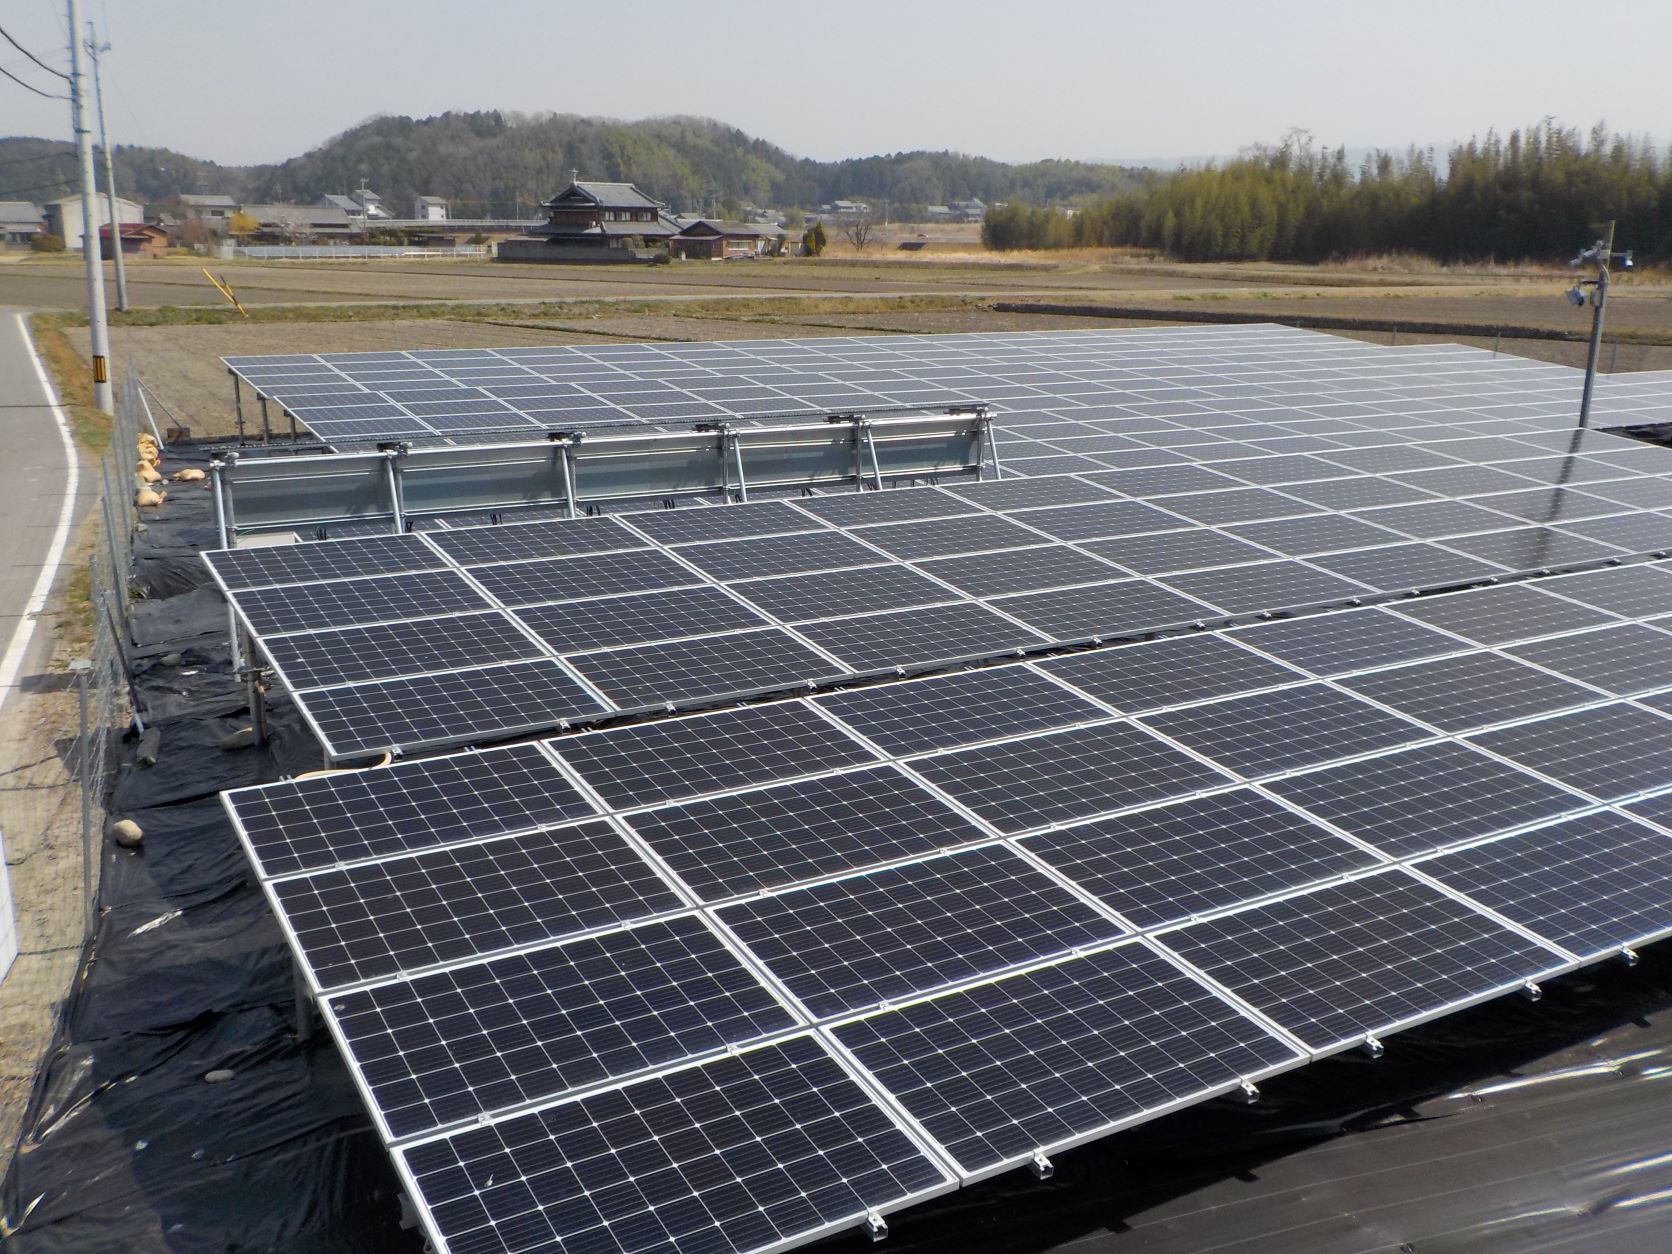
<point>637,618</point>
<point>324,820</point>
<point>588,575</point>
<point>748,1152</point>
<point>1266,586</point>
<point>1626,660</point>
<point>993,574</point>
<point>1610,751</point>
<point>1402,567</point>
<point>1019,785</point>
<point>309,563</point>
<point>648,763</point>
<point>515,542</point>
<point>1424,798</point>
<point>688,526</point>
<point>1162,552</point>
<point>1106,611</point>
<point>1058,1053</point>
<point>348,602</point>
<point>751,841</point>
<point>777,555</point>
<point>909,637</point>
<point>349,654</point>
<point>470,1039</point>
<point>481,704</point>
<point>1501,615</point>
<point>464,900</point>
<point>1593,884</point>
<point>1346,640</point>
<point>1196,856</point>
<point>1470,690</point>
<point>1343,962</point>
<point>1285,729</point>
<point>839,593</point>
<point>712,666</point>
<point>854,943</point>
<point>961,709</point>
<point>945,537</point>
<point>1140,677</point>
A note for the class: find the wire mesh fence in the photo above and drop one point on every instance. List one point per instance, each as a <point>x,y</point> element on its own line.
<point>60,736</point>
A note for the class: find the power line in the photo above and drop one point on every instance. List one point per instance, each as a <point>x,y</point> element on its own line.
<point>40,156</point>
<point>14,43</point>
<point>43,187</point>
<point>30,86</point>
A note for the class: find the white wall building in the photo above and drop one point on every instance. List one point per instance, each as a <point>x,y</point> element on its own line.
<point>63,217</point>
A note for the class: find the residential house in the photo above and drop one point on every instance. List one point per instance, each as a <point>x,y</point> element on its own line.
<point>63,217</point>
<point>214,209</point>
<point>429,209</point>
<point>601,222</point>
<point>291,224</point>
<point>20,221</point>
<point>139,239</point>
<point>715,240</point>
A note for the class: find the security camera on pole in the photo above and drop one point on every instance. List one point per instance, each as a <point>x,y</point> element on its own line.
<point>103,398</point>
<point>1602,252</point>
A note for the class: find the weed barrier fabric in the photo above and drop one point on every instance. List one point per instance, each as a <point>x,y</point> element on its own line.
<point>1512,1126</point>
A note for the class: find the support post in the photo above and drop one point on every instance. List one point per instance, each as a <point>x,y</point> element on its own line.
<point>94,48</point>
<point>255,690</point>
<point>266,429</point>
<point>1600,300</point>
<point>238,405</point>
<point>83,768</point>
<point>729,437</point>
<point>397,509</point>
<point>566,460</point>
<point>304,1007</point>
<point>869,437</point>
<point>104,397</point>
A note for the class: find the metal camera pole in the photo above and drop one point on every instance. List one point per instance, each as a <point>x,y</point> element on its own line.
<point>1602,252</point>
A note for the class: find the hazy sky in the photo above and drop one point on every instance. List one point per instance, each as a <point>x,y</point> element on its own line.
<point>1013,79</point>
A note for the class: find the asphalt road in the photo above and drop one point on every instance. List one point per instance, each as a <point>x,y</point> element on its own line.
<point>37,505</point>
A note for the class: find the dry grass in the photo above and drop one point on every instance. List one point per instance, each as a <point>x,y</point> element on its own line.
<point>72,380</point>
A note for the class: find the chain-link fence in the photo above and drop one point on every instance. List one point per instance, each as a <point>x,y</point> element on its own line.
<point>60,736</point>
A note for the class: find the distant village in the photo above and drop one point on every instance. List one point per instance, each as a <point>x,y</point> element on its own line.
<point>586,221</point>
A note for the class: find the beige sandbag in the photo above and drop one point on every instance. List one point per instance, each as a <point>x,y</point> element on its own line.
<point>147,475</point>
<point>187,476</point>
<point>147,497</point>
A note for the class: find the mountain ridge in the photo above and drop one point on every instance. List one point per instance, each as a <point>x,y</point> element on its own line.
<point>497,163</point>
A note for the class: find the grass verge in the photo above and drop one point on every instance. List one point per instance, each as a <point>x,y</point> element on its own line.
<point>72,380</point>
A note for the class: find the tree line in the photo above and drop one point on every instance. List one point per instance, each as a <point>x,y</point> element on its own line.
<point>1533,194</point>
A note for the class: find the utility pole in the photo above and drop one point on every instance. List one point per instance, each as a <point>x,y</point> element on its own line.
<point>94,48</point>
<point>103,398</point>
<point>1602,252</point>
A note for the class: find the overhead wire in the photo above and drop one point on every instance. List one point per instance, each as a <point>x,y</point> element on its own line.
<point>4,33</point>
<point>49,95</point>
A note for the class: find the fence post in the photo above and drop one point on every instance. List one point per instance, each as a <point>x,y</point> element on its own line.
<point>84,750</point>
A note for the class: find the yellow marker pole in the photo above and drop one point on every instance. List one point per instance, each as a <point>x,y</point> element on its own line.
<point>225,290</point>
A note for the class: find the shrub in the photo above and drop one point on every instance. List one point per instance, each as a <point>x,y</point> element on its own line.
<point>44,243</point>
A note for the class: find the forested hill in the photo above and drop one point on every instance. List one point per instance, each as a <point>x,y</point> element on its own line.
<point>498,163</point>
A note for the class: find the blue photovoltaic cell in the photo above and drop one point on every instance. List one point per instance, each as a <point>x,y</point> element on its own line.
<point>474,1038</point>
<point>851,943</point>
<point>461,901</point>
<point>1001,1069</point>
<point>1344,961</point>
<point>746,1152</point>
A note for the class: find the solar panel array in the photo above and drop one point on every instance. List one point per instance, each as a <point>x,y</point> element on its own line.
<point>741,978</point>
<point>1369,482</point>
<point>1174,374</point>
<point>818,958</point>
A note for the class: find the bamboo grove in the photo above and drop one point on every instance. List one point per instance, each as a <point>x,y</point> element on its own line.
<point>1533,195</point>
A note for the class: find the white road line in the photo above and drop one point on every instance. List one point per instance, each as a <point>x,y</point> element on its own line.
<point>12,662</point>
